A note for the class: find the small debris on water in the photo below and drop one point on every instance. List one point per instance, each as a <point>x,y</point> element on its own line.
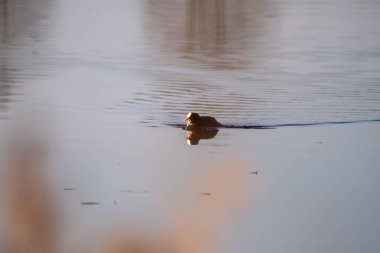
<point>135,191</point>
<point>206,193</point>
<point>89,203</point>
<point>254,172</point>
<point>69,189</point>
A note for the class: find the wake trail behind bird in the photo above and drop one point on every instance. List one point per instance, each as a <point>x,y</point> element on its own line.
<point>274,126</point>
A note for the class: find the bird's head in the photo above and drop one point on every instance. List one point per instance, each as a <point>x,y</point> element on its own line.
<point>192,118</point>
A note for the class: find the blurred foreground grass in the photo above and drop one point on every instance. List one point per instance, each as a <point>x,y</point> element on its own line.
<point>33,222</point>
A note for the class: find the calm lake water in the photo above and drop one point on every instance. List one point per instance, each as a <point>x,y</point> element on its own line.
<point>103,83</point>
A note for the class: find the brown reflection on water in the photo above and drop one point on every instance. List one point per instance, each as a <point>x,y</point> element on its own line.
<point>21,34</point>
<point>193,137</point>
<point>205,25</point>
<point>4,19</point>
<point>19,18</point>
<point>5,88</point>
<point>213,33</point>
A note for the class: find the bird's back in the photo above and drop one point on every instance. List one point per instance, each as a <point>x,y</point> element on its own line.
<point>208,121</point>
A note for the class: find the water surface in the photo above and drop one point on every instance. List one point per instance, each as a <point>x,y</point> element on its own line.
<point>105,81</point>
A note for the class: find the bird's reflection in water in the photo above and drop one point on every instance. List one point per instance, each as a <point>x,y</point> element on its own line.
<point>194,135</point>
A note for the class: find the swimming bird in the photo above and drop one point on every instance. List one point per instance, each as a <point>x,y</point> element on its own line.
<point>194,120</point>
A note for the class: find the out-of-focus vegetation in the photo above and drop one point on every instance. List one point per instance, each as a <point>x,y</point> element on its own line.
<point>33,220</point>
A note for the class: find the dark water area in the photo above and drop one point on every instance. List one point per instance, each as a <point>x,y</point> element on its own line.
<point>104,87</point>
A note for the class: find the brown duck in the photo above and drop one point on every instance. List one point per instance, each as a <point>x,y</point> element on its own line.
<point>194,120</point>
